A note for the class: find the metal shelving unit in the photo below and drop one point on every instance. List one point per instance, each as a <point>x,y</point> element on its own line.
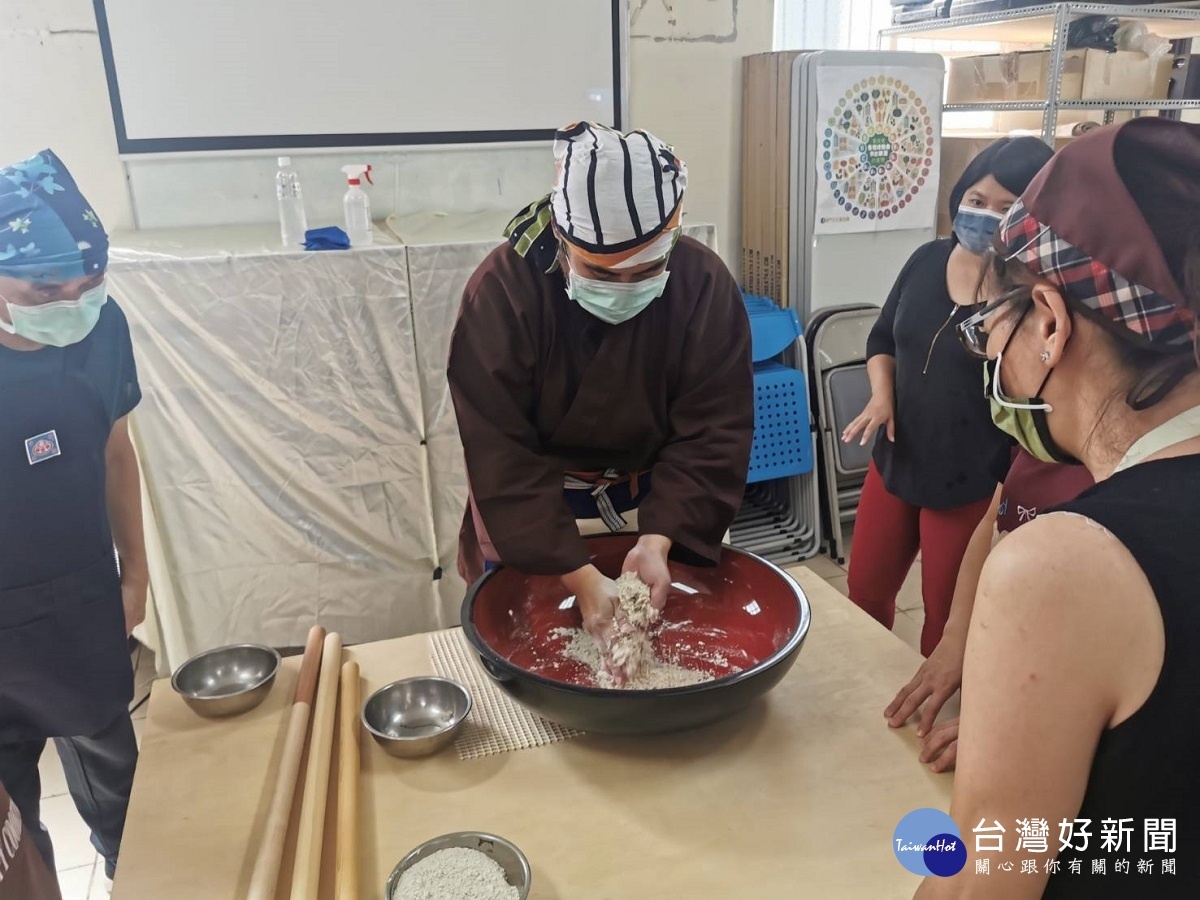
<point>1049,24</point>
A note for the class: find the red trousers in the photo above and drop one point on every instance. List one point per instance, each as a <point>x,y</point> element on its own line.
<point>887,535</point>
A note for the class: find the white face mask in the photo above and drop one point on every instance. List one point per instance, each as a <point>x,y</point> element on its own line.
<point>615,302</point>
<point>60,323</point>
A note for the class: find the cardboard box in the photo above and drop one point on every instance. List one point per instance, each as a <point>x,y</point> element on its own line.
<point>1087,75</point>
<point>1126,75</point>
<point>1011,76</point>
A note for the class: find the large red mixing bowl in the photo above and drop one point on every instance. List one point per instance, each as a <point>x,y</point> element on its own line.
<point>743,621</point>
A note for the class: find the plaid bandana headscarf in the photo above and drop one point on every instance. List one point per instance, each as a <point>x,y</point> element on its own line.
<point>618,199</point>
<point>1080,227</point>
<point>48,230</point>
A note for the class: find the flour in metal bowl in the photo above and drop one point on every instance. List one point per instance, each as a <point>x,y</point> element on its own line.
<point>456,873</point>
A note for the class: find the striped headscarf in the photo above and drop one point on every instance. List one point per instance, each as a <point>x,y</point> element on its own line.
<point>618,198</point>
<point>48,230</point>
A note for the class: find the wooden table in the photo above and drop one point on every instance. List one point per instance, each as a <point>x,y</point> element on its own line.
<point>796,797</point>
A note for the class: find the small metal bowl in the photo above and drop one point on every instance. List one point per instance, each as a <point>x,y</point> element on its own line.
<point>506,853</point>
<point>228,680</point>
<point>416,716</point>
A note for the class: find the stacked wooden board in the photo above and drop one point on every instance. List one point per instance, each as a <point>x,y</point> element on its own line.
<point>805,232</point>
<point>766,161</point>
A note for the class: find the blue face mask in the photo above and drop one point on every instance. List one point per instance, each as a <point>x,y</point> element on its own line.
<point>60,323</point>
<point>615,302</point>
<point>975,228</point>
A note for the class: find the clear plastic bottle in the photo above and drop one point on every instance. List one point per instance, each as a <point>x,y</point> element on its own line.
<point>357,207</point>
<point>292,221</point>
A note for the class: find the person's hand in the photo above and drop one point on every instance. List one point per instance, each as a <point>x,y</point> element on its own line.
<point>880,412</point>
<point>597,599</point>
<point>940,747</point>
<point>134,586</point>
<point>648,560</point>
<point>936,681</point>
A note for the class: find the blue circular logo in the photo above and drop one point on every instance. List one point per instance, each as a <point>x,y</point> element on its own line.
<point>927,842</point>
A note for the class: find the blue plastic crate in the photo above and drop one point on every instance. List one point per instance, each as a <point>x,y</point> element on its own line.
<point>772,329</point>
<point>782,436</point>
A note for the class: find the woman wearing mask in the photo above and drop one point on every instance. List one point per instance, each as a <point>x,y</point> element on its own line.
<point>1032,486</point>
<point>1082,671</point>
<point>939,459</point>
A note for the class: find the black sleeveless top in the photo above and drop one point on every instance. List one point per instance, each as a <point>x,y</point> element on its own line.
<point>1148,767</point>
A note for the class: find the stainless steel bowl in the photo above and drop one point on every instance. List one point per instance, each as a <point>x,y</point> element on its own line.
<point>228,680</point>
<point>506,853</point>
<point>416,716</point>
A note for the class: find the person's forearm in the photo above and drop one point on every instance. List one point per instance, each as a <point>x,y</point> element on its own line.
<point>124,496</point>
<point>659,543</point>
<point>579,581</point>
<point>881,370</point>
<point>586,576</point>
<point>969,571</point>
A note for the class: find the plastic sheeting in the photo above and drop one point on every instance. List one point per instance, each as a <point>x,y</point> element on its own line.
<point>298,444</point>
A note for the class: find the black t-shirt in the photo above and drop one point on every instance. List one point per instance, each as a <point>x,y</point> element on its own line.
<point>104,357</point>
<point>947,452</point>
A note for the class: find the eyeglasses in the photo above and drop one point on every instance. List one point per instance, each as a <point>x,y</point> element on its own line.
<point>973,334</point>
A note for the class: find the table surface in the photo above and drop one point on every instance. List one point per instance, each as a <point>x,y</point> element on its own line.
<point>797,796</point>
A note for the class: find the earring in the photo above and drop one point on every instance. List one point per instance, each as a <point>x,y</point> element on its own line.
<point>1045,356</point>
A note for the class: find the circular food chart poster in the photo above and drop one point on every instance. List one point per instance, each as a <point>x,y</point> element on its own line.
<point>877,140</point>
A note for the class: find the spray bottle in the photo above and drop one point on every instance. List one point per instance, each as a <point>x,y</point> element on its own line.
<point>357,206</point>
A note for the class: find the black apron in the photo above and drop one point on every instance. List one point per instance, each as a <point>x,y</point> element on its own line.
<point>64,657</point>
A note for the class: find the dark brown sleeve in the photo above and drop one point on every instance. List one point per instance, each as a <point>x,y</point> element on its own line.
<point>518,491</point>
<point>23,873</point>
<point>699,477</point>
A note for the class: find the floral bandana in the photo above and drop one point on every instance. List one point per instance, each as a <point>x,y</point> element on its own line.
<point>48,230</point>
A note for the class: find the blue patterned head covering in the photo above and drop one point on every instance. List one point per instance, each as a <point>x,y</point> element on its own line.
<point>48,231</point>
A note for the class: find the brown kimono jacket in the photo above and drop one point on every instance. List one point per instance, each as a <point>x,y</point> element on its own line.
<point>23,873</point>
<point>542,388</point>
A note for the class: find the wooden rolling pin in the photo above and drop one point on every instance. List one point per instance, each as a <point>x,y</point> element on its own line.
<point>306,874</point>
<point>265,877</point>
<point>346,882</point>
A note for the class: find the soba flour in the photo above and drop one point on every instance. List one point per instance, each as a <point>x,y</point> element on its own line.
<point>653,675</point>
<point>456,873</point>
<point>631,651</point>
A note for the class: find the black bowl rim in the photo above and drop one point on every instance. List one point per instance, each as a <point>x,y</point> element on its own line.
<point>483,648</point>
<point>271,651</point>
<point>374,732</point>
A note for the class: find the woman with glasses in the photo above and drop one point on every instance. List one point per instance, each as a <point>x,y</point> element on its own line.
<point>937,463</point>
<point>1078,744</point>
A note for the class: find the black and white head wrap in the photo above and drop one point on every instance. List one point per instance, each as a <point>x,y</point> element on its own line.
<point>618,198</point>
